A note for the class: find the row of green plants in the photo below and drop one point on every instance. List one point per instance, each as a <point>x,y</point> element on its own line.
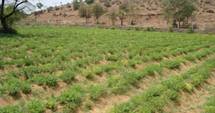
<point>43,55</point>
<point>78,95</point>
<point>156,97</point>
<point>36,60</point>
<point>117,84</point>
<point>209,106</point>
<point>33,106</point>
<point>69,76</point>
<point>30,70</point>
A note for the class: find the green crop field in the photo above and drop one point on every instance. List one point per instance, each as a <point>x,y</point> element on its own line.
<point>48,69</point>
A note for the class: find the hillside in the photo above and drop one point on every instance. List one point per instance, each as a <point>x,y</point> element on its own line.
<point>148,13</point>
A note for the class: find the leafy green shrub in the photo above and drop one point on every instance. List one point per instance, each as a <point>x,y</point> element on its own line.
<point>190,57</point>
<point>157,56</point>
<point>28,61</point>
<point>197,79</point>
<point>98,70</point>
<point>117,84</point>
<point>150,29</point>
<point>151,69</point>
<point>133,63</point>
<point>51,104</point>
<point>171,94</point>
<point>13,86</point>
<point>110,67</point>
<point>26,88</point>
<point>45,80</point>
<point>2,90</point>
<point>190,30</point>
<point>96,91</point>
<point>35,106</point>
<point>174,83</point>
<point>188,87</point>
<point>210,105</point>
<point>39,79</point>
<point>113,58</point>
<point>123,108</point>
<point>2,65</point>
<point>209,109</point>
<point>72,97</point>
<point>51,81</point>
<point>11,109</point>
<point>201,54</point>
<point>175,64</point>
<point>29,71</point>
<point>132,77</point>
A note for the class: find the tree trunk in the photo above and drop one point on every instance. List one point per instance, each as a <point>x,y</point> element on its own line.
<point>113,22</point>
<point>6,28</point>
<point>179,24</point>
<point>4,24</point>
<point>86,20</point>
<point>97,20</point>
<point>121,22</point>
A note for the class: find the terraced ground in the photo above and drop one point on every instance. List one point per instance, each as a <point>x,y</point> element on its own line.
<point>88,70</point>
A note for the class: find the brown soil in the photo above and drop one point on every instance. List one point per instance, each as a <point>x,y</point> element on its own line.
<point>4,102</point>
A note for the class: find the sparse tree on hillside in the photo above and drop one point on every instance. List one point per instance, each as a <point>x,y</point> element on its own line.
<point>98,11</point>
<point>89,1</point>
<point>85,11</point>
<point>113,17</point>
<point>39,5</point>
<point>122,17</point>
<point>125,6</point>
<point>8,11</point>
<point>76,4</point>
<point>131,13</point>
<point>177,11</point>
<point>15,17</point>
<point>123,11</point>
<point>107,3</point>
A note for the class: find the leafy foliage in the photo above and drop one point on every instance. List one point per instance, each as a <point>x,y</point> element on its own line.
<point>11,109</point>
<point>178,10</point>
<point>89,1</point>
<point>35,106</point>
<point>85,11</point>
<point>98,11</point>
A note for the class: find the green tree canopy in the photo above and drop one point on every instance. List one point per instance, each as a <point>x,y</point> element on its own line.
<point>89,1</point>
<point>98,11</point>
<point>9,13</point>
<point>178,10</point>
<point>85,11</point>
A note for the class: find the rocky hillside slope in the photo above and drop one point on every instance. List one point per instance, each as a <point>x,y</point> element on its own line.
<point>148,13</point>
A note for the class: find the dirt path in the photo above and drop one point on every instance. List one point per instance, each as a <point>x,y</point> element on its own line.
<point>192,102</point>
